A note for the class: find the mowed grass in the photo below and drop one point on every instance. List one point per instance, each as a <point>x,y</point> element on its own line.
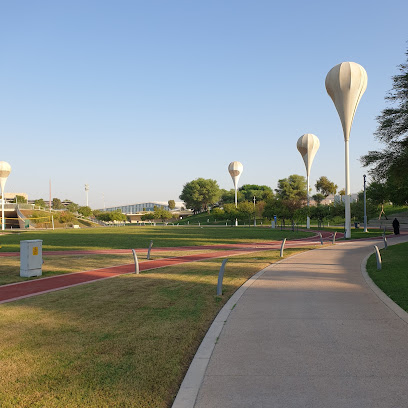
<point>122,342</point>
<point>356,233</point>
<point>139,237</point>
<point>392,279</point>
<point>62,264</point>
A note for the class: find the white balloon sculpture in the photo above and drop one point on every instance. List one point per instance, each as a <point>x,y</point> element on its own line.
<point>308,145</point>
<point>5,170</point>
<point>345,84</point>
<point>235,169</point>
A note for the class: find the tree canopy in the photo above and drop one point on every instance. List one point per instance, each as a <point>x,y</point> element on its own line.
<point>292,188</point>
<point>260,192</point>
<point>201,193</point>
<point>325,186</point>
<point>390,165</point>
<point>172,204</point>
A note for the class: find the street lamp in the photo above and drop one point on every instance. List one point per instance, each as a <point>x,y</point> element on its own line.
<point>308,145</point>
<point>5,170</point>
<point>365,205</point>
<point>235,169</point>
<point>345,84</point>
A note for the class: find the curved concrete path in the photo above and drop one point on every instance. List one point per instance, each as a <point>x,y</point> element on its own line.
<point>310,332</point>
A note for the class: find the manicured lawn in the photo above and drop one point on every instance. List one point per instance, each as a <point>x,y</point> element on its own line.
<point>392,279</point>
<point>139,237</point>
<point>356,233</point>
<point>122,342</point>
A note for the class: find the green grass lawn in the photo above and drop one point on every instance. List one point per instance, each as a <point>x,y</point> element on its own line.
<point>392,279</point>
<point>356,233</point>
<point>139,237</point>
<point>122,342</point>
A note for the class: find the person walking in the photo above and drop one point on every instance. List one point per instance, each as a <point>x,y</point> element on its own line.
<point>395,225</point>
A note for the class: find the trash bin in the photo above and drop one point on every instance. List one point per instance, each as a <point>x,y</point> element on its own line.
<point>31,258</point>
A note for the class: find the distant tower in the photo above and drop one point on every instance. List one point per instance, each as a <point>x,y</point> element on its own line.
<point>86,193</point>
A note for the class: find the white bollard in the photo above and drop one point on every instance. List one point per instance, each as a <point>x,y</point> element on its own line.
<point>378,256</point>
<point>282,247</point>
<point>136,262</point>
<point>150,248</point>
<point>221,277</point>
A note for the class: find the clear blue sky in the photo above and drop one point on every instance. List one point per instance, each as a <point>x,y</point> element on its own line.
<point>136,98</point>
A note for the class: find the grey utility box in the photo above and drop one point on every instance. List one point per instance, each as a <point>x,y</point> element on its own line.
<point>31,258</point>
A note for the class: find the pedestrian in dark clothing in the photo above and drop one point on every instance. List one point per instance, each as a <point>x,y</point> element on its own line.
<point>395,225</point>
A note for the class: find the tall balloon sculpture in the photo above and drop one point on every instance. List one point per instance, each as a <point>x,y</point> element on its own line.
<point>345,84</point>
<point>5,170</point>
<point>308,145</point>
<point>235,168</point>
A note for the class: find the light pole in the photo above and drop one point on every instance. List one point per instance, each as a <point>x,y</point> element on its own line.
<point>235,169</point>
<point>5,170</point>
<point>86,193</point>
<point>254,213</point>
<point>308,145</point>
<point>365,205</point>
<point>345,84</point>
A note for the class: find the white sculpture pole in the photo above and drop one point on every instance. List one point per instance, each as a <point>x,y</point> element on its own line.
<point>308,145</point>
<point>86,193</point>
<point>235,168</point>
<point>5,170</point>
<point>345,84</point>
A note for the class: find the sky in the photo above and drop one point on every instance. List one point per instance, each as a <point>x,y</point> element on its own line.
<point>137,97</point>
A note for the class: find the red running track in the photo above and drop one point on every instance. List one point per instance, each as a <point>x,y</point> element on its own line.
<point>20,290</point>
<point>30,288</point>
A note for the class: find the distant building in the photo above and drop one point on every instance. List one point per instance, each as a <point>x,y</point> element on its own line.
<point>136,208</point>
<point>12,196</point>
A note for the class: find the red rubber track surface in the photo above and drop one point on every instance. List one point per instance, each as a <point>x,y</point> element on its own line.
<point>15,291</point>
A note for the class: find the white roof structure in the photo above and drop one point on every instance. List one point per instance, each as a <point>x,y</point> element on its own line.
<point>345,84</point>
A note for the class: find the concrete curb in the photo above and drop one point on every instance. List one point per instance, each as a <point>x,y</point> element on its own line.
<point>401,313</point>
<point>187,394</point>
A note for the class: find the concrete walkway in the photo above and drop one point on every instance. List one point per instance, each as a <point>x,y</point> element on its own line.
<point>310,332</point>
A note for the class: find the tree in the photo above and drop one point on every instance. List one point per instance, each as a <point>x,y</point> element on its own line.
<point>391,164</point>
<point>40,203</point>
<point>379,194</point>
<point>199,194</point>
<point>228,196</point>
<point>325,186</point>
<point>21,199</point>
<point>162,214</point>
<point>245,210</point>
<point>148,216</point>
<point>218,213</point>
<point>260,192</point>
<point>85,211</point>
<point>230,211</point>
<point>318,198</point>
<point>110,216</point>
<point>57,204</point>
<point>172,204</point>
<point>292,188</point>
<point>72,207</point>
